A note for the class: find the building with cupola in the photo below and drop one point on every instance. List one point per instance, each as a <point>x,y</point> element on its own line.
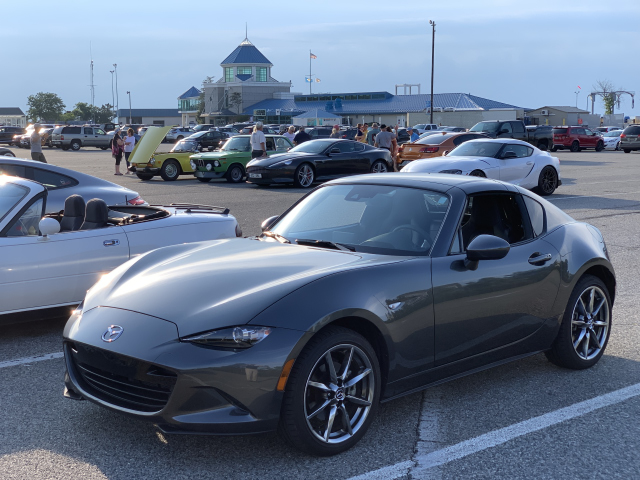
<point>246,80</point>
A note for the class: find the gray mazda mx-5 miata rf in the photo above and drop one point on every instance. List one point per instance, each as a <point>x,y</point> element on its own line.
<point>368,288</point>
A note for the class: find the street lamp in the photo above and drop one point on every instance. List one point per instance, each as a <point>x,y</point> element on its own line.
<point>113,102</point>
<point>577,98</point>
<point>433,42</point>
<point>130,117</point>
<point>115,69</point>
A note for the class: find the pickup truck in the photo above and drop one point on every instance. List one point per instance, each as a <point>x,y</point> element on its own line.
<point>541,137</point>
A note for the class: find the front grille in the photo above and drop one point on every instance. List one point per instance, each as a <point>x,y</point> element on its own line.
<point>120,380</point>
<point>200,163</point>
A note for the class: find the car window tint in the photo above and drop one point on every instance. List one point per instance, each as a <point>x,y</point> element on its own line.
<point>52,180</point>
<point>517,127</point>
<point>461,139</point>
<point>358,147</point>
<point>13,170</point>
<point>270,145</point>
<point>71,130</point>
<point>88,131</point>
<point>27,223</point>
<point>632,130</point>
<point>521,151</point>
<point>282,144</point>
<point>346,147</point>
<point>99,132</point>
<point>536,215</point>
<point>506,126</point>
<point>498,214</point>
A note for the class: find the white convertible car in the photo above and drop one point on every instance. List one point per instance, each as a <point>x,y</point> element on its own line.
<point>49,263</point>
<point>509,160</point>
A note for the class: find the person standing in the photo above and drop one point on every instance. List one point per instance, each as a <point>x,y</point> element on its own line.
<point>335,133</point>
<point>301,137</point>
<point>290,133</point>
<point>36,144</point>
<point>129,143</point>
<point>394,145</point>
<point>385,140</point>
<point>365,131</point>
<point>414,135</point>
<point>371,134</point>
<point>117,148</point>
<point>359,133</point>
<point>258,142</point>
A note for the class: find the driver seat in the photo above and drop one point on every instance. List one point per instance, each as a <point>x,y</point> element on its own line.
<point>73,216</point>
<point>96,215</point>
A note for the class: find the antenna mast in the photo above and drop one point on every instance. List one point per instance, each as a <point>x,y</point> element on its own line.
<point>91,85</point>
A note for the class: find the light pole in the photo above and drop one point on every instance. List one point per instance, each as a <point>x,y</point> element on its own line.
<point>433,43</point>
<point>130,118</point>
<point>113,101</point>
<point>115,69</point>
<point>577,97</point>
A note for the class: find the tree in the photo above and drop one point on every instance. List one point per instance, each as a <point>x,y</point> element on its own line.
<point>199,117</point>
<point>83,111</point>
<point>235,100</point>
<point>44,106</point>
<point>103,114</point>
<point>90,113</point>
<point>609,94</point>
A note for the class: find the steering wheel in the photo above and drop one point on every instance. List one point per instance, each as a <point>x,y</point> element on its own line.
<point>419,231</point>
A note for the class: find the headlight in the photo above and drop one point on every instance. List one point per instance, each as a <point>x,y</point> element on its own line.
<point>193,165</point>
<point>216,163</point>
<point>233,337</point>
<point>209,167</point>
<point>455,172</point>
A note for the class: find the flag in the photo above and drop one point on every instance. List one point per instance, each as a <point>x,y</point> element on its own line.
<point>317,80</point>
<point>312,55</point>
<point>308,79</point>
<point>579,87</point>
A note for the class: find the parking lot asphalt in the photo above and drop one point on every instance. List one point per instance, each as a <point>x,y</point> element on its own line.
<point>44,436</point>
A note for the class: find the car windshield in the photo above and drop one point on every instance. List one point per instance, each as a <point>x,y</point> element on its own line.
<point>185,145</point>
<point>614,133</point>
<point>382,219</point>
<point>237,144</point>
<point>485,127</point>
<point>476,149</point>
<point>434,139</point>
<point>10,195</point>
<point>312,146</point>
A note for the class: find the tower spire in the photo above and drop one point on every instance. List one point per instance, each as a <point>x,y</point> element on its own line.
<point>246,36</point>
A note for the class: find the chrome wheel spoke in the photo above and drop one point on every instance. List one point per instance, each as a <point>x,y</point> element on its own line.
<point>357,378</point>
<point>358,401</point>
<point>592,295</point>
<point>319,385</point>
<point>585,349</point>
<point>578,323</point>
<point>318,410</point>
<point>346,420</point>
<point>332,417</point>
<point>576,343</point>
<point>594,337</point>
<point>347,364</point>
<point>582,306</point>
<point>332,369</point>
<point>597,310</point>
<point>600,324</point>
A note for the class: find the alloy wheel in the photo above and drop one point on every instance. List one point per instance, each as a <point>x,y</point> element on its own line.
<point>590,323</point>
<point>379,167</point>
<point>171,170</point>
<point>305,176</point>
<point>339,394</point>
<point>236,174</point>
<point>549,181</point>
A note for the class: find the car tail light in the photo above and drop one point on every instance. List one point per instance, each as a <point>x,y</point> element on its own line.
<point>61,137</point>
<point>344,136</point>
<point>136,201</point>
<point>622,135</point>
<point>429,149</point>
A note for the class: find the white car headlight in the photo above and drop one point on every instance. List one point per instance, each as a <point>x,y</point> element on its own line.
<point>234,337</point>
<point>209,167</point>
<point>193,165</point>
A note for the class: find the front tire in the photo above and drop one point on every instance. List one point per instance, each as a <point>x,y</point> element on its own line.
<point>575,146</point>
<point>379,166</point>
<point>547,181</point>
<point>332,393</point>
<point>477,173</point>
<point>144,177</point>
<point>626,150</point>
<point>585,328</point>
<point>542,146</point>
<point>599,146</point>
<point>554,149</point>
<point>203,180</point>
<point>304,176</point>
<point>235,173</point>
<point>170,171</point>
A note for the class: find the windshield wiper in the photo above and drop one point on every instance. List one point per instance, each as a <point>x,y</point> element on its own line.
<point>276,236</point>
<point>325,243</point>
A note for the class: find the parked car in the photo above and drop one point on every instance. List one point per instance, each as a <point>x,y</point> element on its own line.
<point>433,146</point>
<point>143,130</point>
<point>541,138</point>
<point>209,139</point>
<point>576,138</point>
<point>24,140</point>
<point>424,127</point>
<point>7,133</point>
<point>318,160</point>
<point>51,262</point>
<point>513,161</point>
<point>367,289</point>
<point>612,139</point>
<point>249,129</point>
<point>231,160</point>
<point>231,131</point>
<point>7,152</point>
<point>178,133</point>
<point>320,132</point>
<point>203,127</point>
<point>75,137</point>
<point>62,182</point>
<point>402,136</point>
<point>630,138</point>
<point>452,129</point>
<point>148,163</point>
<point>607,129</point>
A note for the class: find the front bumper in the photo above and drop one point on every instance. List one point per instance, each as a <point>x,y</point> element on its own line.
<point>144,168</point>
<point>268,175</point>
<point>183,388</point>
<point>209,174</point>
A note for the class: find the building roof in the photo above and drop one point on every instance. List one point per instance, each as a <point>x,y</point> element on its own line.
<point>246,53</point>
<point>565,109</point>
<point>11,111</point>
<point>192,92</point>
<point>149,112</point>
<point>317,113</point>
<point>377,103</point>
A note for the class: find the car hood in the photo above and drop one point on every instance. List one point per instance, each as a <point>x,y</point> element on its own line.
<point>208,285</point>
<point>281,157</point>
<point>437,164</point>
<point>148,144</point>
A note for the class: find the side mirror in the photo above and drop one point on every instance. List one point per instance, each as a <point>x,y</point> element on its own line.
<point>334,150</point>
<point>510,154</point>
<point>485,247</point>
<point>266,225</point>
<point>48,226</point>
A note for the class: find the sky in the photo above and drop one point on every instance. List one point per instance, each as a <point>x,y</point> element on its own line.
<point>529,54</point>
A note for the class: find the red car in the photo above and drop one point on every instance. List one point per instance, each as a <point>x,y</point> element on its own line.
<point>575,139</point>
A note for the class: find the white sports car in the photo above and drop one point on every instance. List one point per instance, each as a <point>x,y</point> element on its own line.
<point>509,160</point>
<point>612,139</point>
<point>47,264</point>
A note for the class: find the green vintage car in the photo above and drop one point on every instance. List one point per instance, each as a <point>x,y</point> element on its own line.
<point>232,158</point>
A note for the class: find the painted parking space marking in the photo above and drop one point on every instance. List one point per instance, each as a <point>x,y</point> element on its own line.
<point>29,360</point>
<point>423,463</point>
<point>593,196</point>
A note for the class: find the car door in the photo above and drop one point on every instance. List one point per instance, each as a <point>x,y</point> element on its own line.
<point>518,130</point>
<point>504,130</point>
<point>100,137</point>
<point>39,272</point>
<point>88,138</point>
<point>501,302</point>
<point>590,138</point>
<point>340,160</point>
<point>516,168</point>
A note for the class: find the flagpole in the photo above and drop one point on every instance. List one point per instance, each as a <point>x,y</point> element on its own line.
<point>310,77</point>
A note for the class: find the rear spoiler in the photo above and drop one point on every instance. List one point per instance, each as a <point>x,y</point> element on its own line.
<point>196,208</point>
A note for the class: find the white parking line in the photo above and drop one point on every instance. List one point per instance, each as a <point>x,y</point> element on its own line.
<point>593,196</point>
<point>500,436</point>
<point>28,360</point>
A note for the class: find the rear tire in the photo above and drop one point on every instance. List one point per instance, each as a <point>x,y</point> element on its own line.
<point>575,146</point>
<point>547,181</point>
<point>75,145</point>
<point>574,347</point>
<point>170,171</point>
<point>542,146</point>
<point>626,150</point>
<point>144,177</point>
<point>554,149</point>
<point>379,166</point>
<point>203,180</point>
<point>235,173</point>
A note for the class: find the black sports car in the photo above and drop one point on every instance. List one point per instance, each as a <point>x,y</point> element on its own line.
<point>321,159</point>
<point>368,288</point>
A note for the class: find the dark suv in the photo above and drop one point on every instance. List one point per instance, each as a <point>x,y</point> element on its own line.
<point>576,138</point>
<point>7,133</point>
<point>630,138</point>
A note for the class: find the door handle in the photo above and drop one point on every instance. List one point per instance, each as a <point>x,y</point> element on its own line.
<point>529,163</point>
<point>539,258</point>
<point>111,243</point>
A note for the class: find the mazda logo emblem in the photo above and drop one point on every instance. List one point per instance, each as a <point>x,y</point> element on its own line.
<point>112,333</point>
<point>340,394</point>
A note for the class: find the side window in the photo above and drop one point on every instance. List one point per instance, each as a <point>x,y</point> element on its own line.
<point>52,180</point>
<point>517,127</point>
<point>27,223</point>
<point>588,132</point>
<point>270,145</point>
<point>536,215</point>
<point>282,144</point>
<point>99,132</point>
<point>13,170</point>
<point>500,215</point>
<point>346,147</point>
<point>358,147</point>
<point>88,131</point>
<point>506,126</point>
<point>521,150</point>
<point>461,139</point>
